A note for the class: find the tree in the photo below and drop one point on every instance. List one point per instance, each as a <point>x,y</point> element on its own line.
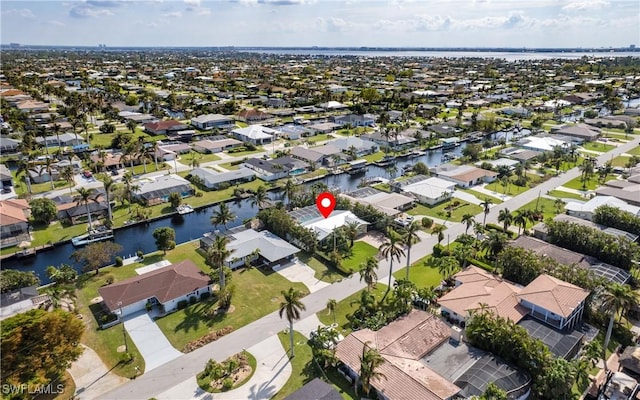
<point>222,216</point>
<point>368,272</point>
<point>289,190</point>
<point>43,210</point>
<point>108,184</point>
<point>493,392</point>
<point>332,304</point>
<point>96,255</point>
<point>421,168</point>
<point>472,151</point>
<point>506,218</point>
<point>410,238</point>
<point>65,274</point>
<point>351,230</point>
<point>165,238</point>
<point>390,250</point>
<point>468,219</point>
<point>56,294</point>
<point>291,306</point>
<point>617,299</point>
<point>439,232</point>
<point>446,265</point>
<point>175,199</point>
<point>494,243</point>
<point>38,346</point>
<point>486,204</point>
<point>12,279</point>
<point>217,255</point>
<point>132,125</point>
<point>370,362</point>
<point>67,174</point>
<point>86,196</point>
<point>520,220</point>
<point>260,198</point>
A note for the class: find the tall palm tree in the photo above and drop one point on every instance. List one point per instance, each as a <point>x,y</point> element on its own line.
<point>291,306</point>
<point>217,255</point>
<point>108,184</point>
<point>368,272</point>
<point>494,243</point>
<point>520,220</point>
<point>155,148</point>
<point>260,197</point>
<point>617,299</point>
<point>56,294</point>
<point>410,238</point>
<point>468,219</point>
<point>370,362</point>
<point>332,304</point>
<point>289,189</point>
<point>486,204</point>
<point>67,174</point>
<point>222,216</point>
<point>391,249</point>
<point>351,230</point>
<point>506,218</point>
<point>132,125</point>
<point>86,196</point>
<point>127,179</point>
<point>439,232</point>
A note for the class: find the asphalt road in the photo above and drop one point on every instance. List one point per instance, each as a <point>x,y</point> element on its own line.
<point>168,375</point>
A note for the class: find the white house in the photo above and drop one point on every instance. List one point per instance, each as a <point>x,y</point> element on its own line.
<point>431,190</point>
<point>586,210</point>
<point>210,121</point>
<point>464,176</point>
<point>256,134</point>
<point>165,286</point>
<point>310,218</point>
<point>213,179</point>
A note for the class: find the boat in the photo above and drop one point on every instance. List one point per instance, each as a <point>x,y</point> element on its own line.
<point>94,235</point>
<point>184,209</point>
<point>416,153</point>
<point>448,157</point>
<point>26,253</point>
<point>385,161</point>
<point>357,166</point>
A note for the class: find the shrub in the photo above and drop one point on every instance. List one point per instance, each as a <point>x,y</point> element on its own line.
<point>204,296</point>
<point>427,222</point>
<point>140,254</point>
<point>224,185</point>
<point>126,358</point>
<point>193,300</point>
<point>108,279</point>
<point>118,261</point>
<point>198,194</point>
<point>227,384</point>
<point>182,304</point>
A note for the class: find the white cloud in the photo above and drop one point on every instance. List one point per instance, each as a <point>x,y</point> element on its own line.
<point>87,11</point>
<point>586,5</point>
<point>56,23</point>
<point>22,12</point>
<point>173,14</point>
<point>194,3</point>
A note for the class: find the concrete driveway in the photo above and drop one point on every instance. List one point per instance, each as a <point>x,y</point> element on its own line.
<point>151,342</point>
<point>297,271</point>
<point>91,376</point>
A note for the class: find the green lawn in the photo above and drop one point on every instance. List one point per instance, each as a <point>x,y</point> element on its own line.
<point>345,307</point>
<point>313,174</point>
<point>305,370</point>
<point>620,161</point>
<point>55,232</point>
<point>591,184</point>
<point>323,272</point>
<point>200,157</point>
<point>318,138</point>
<point>377,156</point>
<point>438,211</point>
<point>635,151</point>
<point>513,189</point>
<point>547,206</point>
<point>257,294</point>
<point>230,166</point>
<point>566,195</point>
<point>151,167</point>
<point>481,196</point>
<point>258,149</point>
<point>105,342</point>
<point>21,187</point>
<point>360,252</point>
<point>385,187</point>
<point>595,146</point>
<point>421,273</point>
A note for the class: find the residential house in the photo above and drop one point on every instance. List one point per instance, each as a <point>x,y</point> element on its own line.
<point>323,127</point>
<point>213,179</point>
<point>332,105</point>
<point>464,176</point>
<point>294,165</point>
<point>252,247</point>
<point>252,116</point>
<point>31,106</point>
<point>294,132</point>
<point>211,121</point>
<point>520,155</point>
<point>38,174</point>
<point>354,120</point>
<point>8,145</point>
<point>109,161</point>
<point>310,218</point>
<point>14,222</point>
<point>76,213</point>
<point>267,170</point>
<point>584,132</point>
<point>542,143</point>
<point>309,155</point>
<point>216,145</point>
<point>587,210</point>
<point>137,117</point>
<point>500,162</point>
<point>256,134</point>
<point>540,229</point>
<point>395,142</point>
<point>316,389</point>
<point>627,191</point>
<point>170,151</point>
<point>166,287</point>
<point>164,127</point>
<point>391,204</point>
<point>63,139</point>
<point>157,190</point>
<point>427,190</point>
<point>6,179</point>
<point>360,146</point>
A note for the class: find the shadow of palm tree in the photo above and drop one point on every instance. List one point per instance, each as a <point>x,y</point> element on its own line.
<point>196,314</point>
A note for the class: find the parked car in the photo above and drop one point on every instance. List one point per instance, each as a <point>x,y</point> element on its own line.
<point>114,172</point>
<point>87,174</point>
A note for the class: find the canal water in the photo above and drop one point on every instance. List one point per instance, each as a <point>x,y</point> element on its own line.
<point>194,225</point>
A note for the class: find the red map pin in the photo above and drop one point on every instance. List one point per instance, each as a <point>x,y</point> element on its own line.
<point>325,203</point>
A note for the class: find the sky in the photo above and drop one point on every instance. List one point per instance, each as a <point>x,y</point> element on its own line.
<point>334,23</point>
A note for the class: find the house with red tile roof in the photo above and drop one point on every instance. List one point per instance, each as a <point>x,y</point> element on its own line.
<point>165,286</point>
<point>164,127</point>
<point>14,221</point>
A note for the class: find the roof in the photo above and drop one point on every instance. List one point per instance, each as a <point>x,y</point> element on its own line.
<point>540,247</point>
<point>256,132</point>
<point>388,203</point>
<point>272,247</point>
<point>471,174</point>
<point>211,177</point>
<point>164,284</point>
<point>307,154</point>
<point>431,188</point>
<point>315,390</point>
<point>163,125</point>
<point>554,295</point>
<point>216,144</point>
<point>266,165</point>
<point>591,205</point>
<point>402,344</point>
<point>583,131</point>
<point>561,343</point>
<point>630,358</point>
<point>498,295</point>
<point>12,211</point>
<point>323,227</point>
<point>212,118</point>
<point>163,185</point>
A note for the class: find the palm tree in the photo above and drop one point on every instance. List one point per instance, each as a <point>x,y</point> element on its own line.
<point>222,216</point>
<point>520,220</point>
<point>368,272</point>
<point>506,218</point>
<point>67,174</point>
<point>108,183</point>
<point>127,179</point>
<point>468,219</point>
<point>291,306</point>
<point>86,196</point>
<point>486,204</point>
<point>331,307</point>
<point>494,243</point>
<point>56,294</point>
<point>289,190</point>
<point>132,125</point>
<point>410,238</point>
<point>391,249</point>
<point>194,161</point>
<point>217,255</point>
<point>370,362</point>
<point>446,265</point>
<point>439,231</point>
<point>155,148</point>
<point>351,231</point>
<point>617,299</point>
<point>260,197</point>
